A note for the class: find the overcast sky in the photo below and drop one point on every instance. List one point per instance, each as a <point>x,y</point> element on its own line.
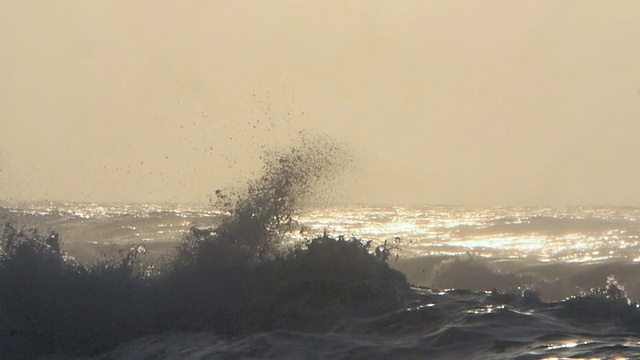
<point>444,102</point>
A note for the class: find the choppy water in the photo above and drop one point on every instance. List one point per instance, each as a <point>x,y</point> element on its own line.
<point>578,234</point>
<point>557,252</point>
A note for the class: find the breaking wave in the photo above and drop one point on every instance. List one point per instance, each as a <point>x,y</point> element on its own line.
<point>236,278</point>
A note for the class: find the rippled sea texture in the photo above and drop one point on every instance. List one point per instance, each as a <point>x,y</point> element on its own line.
<point>579,234</point>
<point>565,279</point>
<point>548,234</point>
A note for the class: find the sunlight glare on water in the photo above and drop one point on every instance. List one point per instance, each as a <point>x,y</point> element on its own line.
<point>578,234</point>
<point>547,234</point>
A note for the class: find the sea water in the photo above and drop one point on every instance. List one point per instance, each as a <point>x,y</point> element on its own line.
<point>489,282</point>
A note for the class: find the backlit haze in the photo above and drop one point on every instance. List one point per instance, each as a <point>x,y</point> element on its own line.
<point>443,102</point>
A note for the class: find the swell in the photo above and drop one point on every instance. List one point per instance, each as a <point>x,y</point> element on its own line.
<point>553,281</point>
<point>439,325</point>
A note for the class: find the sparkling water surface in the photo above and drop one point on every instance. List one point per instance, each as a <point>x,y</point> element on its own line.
<point>572,234</point>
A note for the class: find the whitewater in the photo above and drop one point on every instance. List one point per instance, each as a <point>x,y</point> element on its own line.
<point>488,282</point>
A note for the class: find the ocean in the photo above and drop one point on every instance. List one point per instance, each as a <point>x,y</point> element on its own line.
<point>483,283</point>
<point>264,274</point>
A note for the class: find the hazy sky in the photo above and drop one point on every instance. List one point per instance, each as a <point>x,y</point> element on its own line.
<point>444,102</point>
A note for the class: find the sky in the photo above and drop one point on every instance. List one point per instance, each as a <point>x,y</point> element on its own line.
<point>480,103</point>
